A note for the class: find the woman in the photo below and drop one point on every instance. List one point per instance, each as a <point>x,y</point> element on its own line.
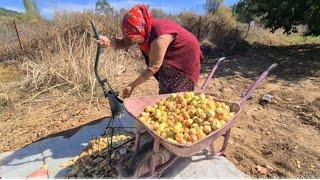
<point>172,54</point>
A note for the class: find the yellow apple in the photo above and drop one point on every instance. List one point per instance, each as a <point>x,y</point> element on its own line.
<point>169,132</point>
<point>216,125</point>
<point>206,123</point>
<point>178,136</point>
<point>164,135</point>
<point>195,125</point>
<point>162,126</point>
<point>207,129</point>
<point>192,131</point>
<point>189,122</point>
<point>197,120</point>
<point>177,129</point>
<point>194,138</point>
<point>222,123</point>
<point>211,114</point>
<point>203,116</point>
<point>172,140</point>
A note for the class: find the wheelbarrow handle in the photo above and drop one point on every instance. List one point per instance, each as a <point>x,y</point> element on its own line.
<point>204,86</point>
<point>256,84</point>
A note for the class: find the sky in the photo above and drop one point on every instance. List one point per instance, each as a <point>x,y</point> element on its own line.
<point>48,7</point>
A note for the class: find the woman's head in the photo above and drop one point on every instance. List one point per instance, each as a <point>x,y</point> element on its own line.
<point>136,24</point>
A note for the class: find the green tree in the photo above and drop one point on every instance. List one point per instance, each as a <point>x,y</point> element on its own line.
<point>31,8</point>
<point>286,14</point>
<point>103,7</point>
<point>211,6</point>
<point>243,11</point>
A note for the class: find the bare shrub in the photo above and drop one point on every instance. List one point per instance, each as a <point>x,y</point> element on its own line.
<point>190,21</point>
<point>220,27</point>
<point>65,52</point>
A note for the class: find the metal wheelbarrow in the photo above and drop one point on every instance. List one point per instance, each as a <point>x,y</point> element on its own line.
<point>153,158</point>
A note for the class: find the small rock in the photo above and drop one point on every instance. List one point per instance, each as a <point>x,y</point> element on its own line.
<point>80,175</point>
<point>261,170</point>
<point>269,167</point>
<point>120,69</point>
<point>230,142</point>
<point>72,173</point>
<point>297,106</point>
<point>267,153</point>
<point>298,164</point>
<point>275,102</point>
<point>312,166</point>
<point>122,151</point>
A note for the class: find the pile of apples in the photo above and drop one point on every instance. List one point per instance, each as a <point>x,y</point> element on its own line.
<point>186,118</point>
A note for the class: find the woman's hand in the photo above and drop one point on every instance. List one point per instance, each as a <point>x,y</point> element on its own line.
<point>127,91</point>
<point>145,75</point>
<point>104,41</point>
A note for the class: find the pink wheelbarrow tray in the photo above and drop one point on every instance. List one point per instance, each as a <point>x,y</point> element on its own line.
<point>135,105</point>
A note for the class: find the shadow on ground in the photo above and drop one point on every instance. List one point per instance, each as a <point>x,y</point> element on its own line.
<point>295,62</point>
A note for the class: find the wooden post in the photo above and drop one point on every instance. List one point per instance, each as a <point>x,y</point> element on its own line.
<point>199,29</point>
<point>247,30</point>
<point>18,35</point>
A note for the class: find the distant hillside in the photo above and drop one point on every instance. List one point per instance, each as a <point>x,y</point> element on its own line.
<point>7,15</point>
<point>7,12</point>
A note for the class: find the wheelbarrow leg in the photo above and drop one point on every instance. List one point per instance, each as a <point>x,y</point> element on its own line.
<point>138,135</point>
<point>213,151</point>
<point>154,157</point>
<point>225,144</point>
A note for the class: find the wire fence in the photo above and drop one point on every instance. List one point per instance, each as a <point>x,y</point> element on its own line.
<point>16,35</point>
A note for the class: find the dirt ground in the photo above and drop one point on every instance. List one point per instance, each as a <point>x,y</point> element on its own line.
<point>281,139</point>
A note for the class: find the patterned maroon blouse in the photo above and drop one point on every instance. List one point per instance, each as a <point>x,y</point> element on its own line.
<point>183,54</point>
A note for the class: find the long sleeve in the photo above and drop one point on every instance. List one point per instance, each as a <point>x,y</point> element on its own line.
<point>121,43</point>
<point>158,50</point>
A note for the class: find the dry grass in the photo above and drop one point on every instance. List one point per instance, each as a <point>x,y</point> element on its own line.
<point>259,35</point>
<point>62,54</point>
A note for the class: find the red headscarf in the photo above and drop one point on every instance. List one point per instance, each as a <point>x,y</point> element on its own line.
<point>136,25</point>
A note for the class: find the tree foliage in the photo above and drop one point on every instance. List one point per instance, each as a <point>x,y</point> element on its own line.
<point>243,11</point>
<point>211,6</point>
<point>103,7</point>
<point>286,14</point>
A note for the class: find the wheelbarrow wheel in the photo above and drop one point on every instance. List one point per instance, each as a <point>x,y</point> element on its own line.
<point>138,164</point>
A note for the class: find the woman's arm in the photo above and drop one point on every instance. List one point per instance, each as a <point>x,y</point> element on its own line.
<point>157,52</point>
<point>120,43</point>
<point>114,42</point>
